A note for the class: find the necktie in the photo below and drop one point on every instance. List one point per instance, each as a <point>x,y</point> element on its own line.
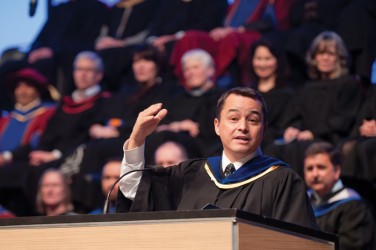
<point>230,168</point>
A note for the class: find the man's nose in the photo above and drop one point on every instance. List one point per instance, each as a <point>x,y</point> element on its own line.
<point>243,125</point>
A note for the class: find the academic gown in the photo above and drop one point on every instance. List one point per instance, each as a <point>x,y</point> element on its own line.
<point>350,218</point>
<point>278,193</point>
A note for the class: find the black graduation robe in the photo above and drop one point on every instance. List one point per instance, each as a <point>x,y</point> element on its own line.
<point>278,193</point>
<point>350,218</point>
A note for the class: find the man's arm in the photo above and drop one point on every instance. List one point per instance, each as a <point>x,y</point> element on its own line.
<point>146,123</point>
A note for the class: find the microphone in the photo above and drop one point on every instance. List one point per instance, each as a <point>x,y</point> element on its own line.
<point>32,7</point>
<point>156,169</point>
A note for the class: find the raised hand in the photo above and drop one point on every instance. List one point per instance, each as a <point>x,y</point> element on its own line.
<point>147,121</point>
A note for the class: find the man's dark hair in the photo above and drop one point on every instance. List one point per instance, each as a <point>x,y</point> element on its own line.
<point>324,148</point>
<point>246,92</point>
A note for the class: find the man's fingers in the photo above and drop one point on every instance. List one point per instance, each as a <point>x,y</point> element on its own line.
<point>161,114</point>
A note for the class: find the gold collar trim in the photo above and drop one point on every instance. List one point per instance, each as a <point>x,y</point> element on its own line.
<point>237,184</point>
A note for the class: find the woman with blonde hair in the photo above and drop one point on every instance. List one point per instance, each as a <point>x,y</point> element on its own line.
<point>54,195</point>
<point>325,107</point>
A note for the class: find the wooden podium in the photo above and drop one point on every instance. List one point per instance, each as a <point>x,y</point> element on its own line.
<point>208,229</point>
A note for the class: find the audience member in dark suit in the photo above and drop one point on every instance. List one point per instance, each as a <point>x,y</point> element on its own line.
<point>338,209</point>
<point>71,27</point>
<point>268,74</point>
<point>325,108</point>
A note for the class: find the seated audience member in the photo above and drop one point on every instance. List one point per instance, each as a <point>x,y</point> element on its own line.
<point>126,27</point>
<point>67,129</point>
<point>229,43</point>
<point>241,178</point>
<point>338,209</point>
<point>170,153</point>
<point>110,174</point>
<point>54,195</point>
<point>268,75</point>
<point>116,119</point>
<point>360,149</point>
<point>191,111</point>
<point>69,29</point>
<point>325,108</point>
<point>22,128</point>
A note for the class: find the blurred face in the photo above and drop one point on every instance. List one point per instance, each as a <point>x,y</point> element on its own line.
<point>144,71</point>
<point>240,126</point>
<point>320,174</point>
<point>52,189</point>
<point>25,93</point>
<point>326,59</point>
<point>168,155</point>
<point>86,74</point>
<point>196,73</point>
<point>110,173</point>
<point>264,63</point>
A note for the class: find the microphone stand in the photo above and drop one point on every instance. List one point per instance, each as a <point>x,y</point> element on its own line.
<point>106,203</point>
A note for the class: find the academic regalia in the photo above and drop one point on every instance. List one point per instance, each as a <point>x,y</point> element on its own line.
<point>22,127</point>
<point>277,100</point>
<point>66,130</point>
<point>327,108</point>
<point>20,131</point>
<point>360,161</point>
<point>345,213</point>
<point>263,186</point>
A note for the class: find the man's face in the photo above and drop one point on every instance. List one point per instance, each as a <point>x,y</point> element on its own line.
<point>25,93</point>
<point>319,173</point>
<point>110,173</point>
<point>196,73</point>
<point>240,126</point>
<point>86,74</point>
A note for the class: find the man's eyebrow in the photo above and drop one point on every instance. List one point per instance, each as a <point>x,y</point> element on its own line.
<point>252,111</point>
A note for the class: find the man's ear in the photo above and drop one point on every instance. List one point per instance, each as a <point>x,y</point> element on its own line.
<point>216,126</point>
<point>337,171</point>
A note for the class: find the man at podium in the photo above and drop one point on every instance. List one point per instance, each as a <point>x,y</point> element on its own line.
<point>242,177</point>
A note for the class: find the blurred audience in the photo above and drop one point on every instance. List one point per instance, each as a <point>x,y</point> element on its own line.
<point>338,209</point>
<point>69,29</point>
<point>20,129</point>
<point>325,108</point>
<point>127,26</point>
<point>67,129</point>
<point>110,174</point>
<point>191,112</point>
<point>115,121</point>
<point>268,74</point>
<point>229,43</point>
<point>170,153</point>
<point>54,195</point>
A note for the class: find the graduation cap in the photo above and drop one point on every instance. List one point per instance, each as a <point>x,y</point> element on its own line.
<point>33,78</point>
